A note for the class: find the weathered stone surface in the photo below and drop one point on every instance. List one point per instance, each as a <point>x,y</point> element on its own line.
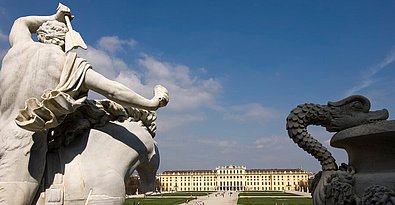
<point>369,178</point>
<point>378,129</point>
<point>371,153</point>
<point>57,147</point>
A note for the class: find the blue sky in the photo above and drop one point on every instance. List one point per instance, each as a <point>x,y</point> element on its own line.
<point>235,69</point>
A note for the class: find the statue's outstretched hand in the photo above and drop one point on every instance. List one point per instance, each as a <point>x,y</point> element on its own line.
<point>161,96</point>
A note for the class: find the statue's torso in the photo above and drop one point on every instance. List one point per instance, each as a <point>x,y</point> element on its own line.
<point>28,69</point>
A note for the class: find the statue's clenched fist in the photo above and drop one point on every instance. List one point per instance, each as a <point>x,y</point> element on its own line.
<point>161,96</point>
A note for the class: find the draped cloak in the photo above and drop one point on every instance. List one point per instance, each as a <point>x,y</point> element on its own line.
<point>54,105</point>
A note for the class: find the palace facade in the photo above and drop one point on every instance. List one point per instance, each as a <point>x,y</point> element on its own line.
<point>234,178</point>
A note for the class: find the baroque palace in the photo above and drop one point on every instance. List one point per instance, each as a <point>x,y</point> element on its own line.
<point>234,178</point>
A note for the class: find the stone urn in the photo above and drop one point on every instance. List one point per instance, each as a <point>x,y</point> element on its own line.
<point>371,153</point>
<point>368,138</point>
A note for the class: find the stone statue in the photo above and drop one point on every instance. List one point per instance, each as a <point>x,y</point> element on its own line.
<point>369,178</point>
<point>57,147</point>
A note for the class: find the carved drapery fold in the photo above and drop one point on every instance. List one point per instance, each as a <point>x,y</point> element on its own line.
<point>55,105</point>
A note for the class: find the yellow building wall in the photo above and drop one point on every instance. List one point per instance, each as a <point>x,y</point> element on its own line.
<point>233,178</point>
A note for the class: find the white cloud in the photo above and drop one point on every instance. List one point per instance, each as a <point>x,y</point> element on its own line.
<point>221,145</point>
<point>168,120</point>
<point>103,62</point>
<point>274,142</point>
<point>114,44</point>
<point>3,36</point>
<point>188,93</point>
<point>367,78</point>
<point>251,112</point>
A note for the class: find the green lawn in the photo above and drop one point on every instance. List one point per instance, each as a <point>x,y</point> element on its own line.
<point>264,193</point>
<point>274,201</point>
<point>279,198</point>
<point>186,194</point>
<point>156,201</point>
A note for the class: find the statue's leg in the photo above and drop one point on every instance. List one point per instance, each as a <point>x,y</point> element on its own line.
<point>22,164</point>
<point>98,162</point>
<point>147,172</point>
<point>93,169</point>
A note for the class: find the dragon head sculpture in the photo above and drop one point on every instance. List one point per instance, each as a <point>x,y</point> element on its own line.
<point>335,116</point>
<point>350,112</point>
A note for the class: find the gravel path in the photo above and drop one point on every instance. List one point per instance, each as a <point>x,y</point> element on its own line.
<point>217,198</point>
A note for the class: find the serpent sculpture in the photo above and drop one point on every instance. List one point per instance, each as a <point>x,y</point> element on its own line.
<point>335,116</point>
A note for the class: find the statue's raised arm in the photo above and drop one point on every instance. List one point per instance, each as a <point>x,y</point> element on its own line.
<point>24,27</point>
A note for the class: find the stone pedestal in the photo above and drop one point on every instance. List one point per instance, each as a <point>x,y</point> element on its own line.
<point>371,152</point>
